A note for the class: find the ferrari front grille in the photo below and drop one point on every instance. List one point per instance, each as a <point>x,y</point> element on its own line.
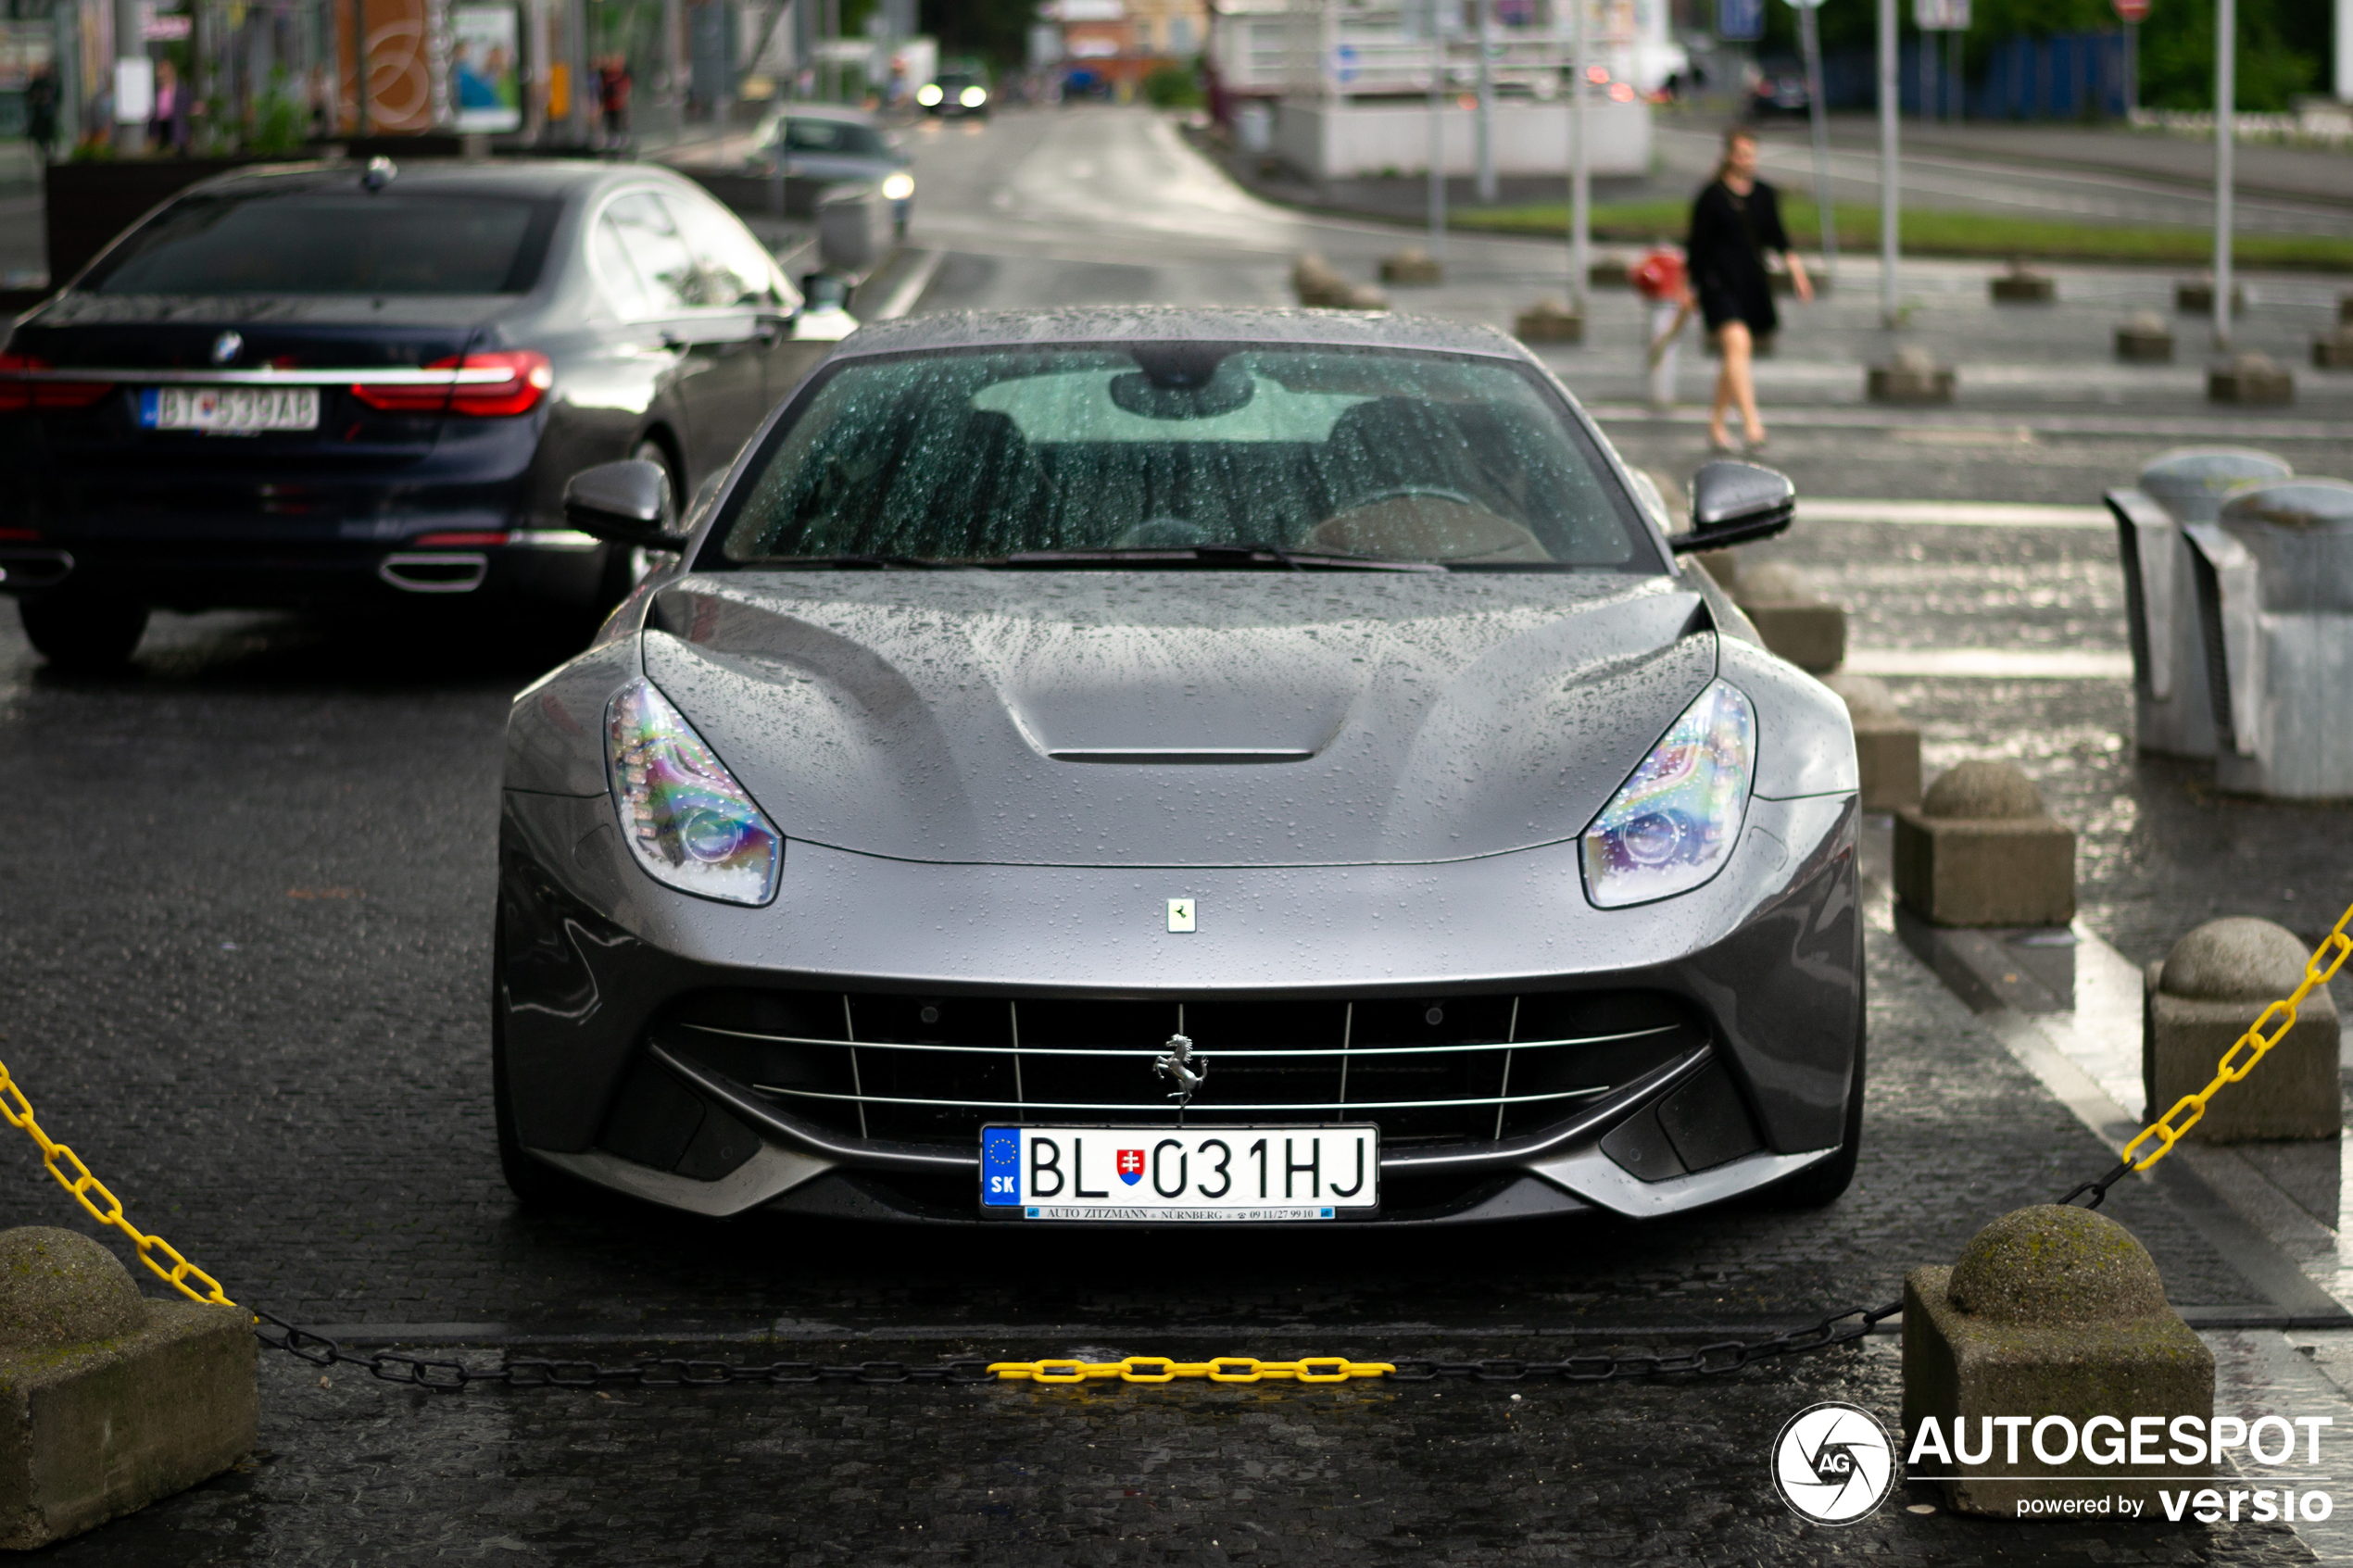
<point>1438,1068</point>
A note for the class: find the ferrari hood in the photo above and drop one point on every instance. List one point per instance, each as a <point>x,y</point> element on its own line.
<point>1179,717</point>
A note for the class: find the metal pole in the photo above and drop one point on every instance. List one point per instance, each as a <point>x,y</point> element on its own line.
<point>1954,58</point>
<point>1486,100</point>
<point>2226,27</point>
<point>1437,135</point>
<point>674,87</point>
<point>1887,168</point>
<point>129,139</point>
<point>1580,166</point>
<point>1810,39</point>
<point>2132,69</point>
<point>359,66</point>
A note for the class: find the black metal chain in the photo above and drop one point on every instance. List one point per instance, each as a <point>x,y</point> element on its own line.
<point>669,1372</point>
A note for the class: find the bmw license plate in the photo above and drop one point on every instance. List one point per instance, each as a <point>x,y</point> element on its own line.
<point>1180,1173</point>
<point>229,411</point>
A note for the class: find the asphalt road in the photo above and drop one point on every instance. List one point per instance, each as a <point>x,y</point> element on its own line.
<point>244,952</point>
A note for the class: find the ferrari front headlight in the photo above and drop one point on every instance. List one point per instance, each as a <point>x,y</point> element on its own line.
<point>689,822</point>
<point>1672,825</point>
<point>972,98</point>
<point>929,94</point>
<point>898,187</point>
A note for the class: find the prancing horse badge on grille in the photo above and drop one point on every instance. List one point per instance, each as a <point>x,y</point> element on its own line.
<point>1186,1069</point>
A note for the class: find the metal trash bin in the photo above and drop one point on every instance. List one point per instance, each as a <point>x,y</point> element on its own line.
<point>2171,711</point>
<point>2274,598</point>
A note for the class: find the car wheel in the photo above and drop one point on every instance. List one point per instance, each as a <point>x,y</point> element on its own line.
<point>627,568</point>
<point>79,635</point>
<point>535,1186</point>
<point>1819,1185</point>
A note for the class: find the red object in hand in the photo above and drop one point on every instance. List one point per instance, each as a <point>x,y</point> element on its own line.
<point>1660,275</point>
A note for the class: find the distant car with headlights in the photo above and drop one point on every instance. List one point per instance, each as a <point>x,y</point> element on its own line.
<point>321,383</point>
<point>1780,89</point>
<point>1139,767</point>
<point>960,89</point>
<point>816,142</point>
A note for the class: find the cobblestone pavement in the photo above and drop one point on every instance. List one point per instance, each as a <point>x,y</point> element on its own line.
<point>1186,1475</point>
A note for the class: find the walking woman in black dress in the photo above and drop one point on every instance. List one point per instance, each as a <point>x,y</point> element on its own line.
<point>1736,219</point>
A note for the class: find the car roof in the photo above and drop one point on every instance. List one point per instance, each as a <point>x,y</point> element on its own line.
<point>1129,323</point>
<point>511,177</point>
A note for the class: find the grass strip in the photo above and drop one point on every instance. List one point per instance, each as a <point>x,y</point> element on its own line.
<point>1934,232</point>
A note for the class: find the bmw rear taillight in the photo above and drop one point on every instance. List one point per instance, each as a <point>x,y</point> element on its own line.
<point>525,376</point>
<point>18,394</point>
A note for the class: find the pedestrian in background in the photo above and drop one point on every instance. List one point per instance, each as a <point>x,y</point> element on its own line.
<point>1659,278</point>
<point>41,111</point>
<point>612,97</point>
<point>167,125</point>
<point>1735,221</point>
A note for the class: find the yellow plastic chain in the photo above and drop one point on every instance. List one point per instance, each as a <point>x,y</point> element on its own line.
<point>81,1184</point>
<point>2333,947</point>
<point>1224,1369</point>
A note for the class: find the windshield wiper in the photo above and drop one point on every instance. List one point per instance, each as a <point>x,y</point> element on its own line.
<point>1216,555</point>
<point>874,563</point>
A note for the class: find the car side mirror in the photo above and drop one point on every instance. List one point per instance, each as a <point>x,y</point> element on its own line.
<point>628,503</point>
<point>1733,503</point>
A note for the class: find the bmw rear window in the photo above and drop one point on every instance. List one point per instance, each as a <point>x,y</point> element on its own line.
<point>332,239</point>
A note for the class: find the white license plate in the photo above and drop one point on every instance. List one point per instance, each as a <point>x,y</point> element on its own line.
<point>229,411</point>
<point>1180,1173</point>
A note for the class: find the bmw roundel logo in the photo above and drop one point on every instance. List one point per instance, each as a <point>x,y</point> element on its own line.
<point>226,347</point>
<point>1834,1464</point>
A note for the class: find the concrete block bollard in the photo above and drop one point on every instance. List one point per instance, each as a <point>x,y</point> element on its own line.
<point>1980,850</point>
<point>1886,748</point>
<point>2195,296</point>
<point>2333,351</point>
<point>1319,283</point>
<point>1609,273</point>
<point>1548,320</point>
<point>1412,266</point>
<point>2050,1312</point>
<point>2145,339</point>
<point>1796,622</point>
<point>108,1401</point>
<point>1911,377</point>
<point>2196,1003</point>
<point>2022,286</point>
<point>2256,379</point>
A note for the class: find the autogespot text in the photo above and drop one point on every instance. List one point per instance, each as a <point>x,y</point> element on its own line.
<point>2137,1441</point>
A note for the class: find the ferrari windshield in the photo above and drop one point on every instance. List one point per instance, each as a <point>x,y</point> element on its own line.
<point>1185,453</point>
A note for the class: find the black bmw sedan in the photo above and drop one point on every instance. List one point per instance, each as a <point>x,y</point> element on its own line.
<point>324,384</point>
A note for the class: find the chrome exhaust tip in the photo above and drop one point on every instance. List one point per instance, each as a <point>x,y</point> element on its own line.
<point>24,570</point>
<point>434,572</point>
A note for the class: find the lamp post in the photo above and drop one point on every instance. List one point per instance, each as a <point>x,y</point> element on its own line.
<point>1580,167</point>
<point>1888,203</point>
<point>2226,28</point>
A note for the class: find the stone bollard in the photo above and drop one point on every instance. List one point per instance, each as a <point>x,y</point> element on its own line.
<point>1911,377</point>
<point>2051,1311</point>
<point>2251,379</point>
<point>1887,750</point>
<point>2333,351</point>
<point>1796,622</point>
<point>2196,1003</point>
<point>1319,283</point>
<point>2145,339</point>
<point>2022,286</point>
<point>1412,266</point>
<point>2195,296</point>
<point>1980,850</point>
<point>1548,320</point>
<point>108,1401</point>
<point>2344,309</point>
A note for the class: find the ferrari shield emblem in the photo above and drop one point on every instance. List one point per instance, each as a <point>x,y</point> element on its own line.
<point>1131,1165</point>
